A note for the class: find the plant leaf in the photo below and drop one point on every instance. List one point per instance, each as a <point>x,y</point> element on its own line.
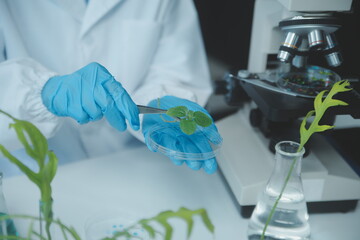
<point>202,119</point>
<point>207,221</point>
<point>162,220</point>
<point>187,215</point>
<point>51,167</point>
<point>179,111</point>
<point>321,128</point>
<point>190,115</point>
<point>148,228</point>
<point>318,101</point>
<point>38,146</point>
<point>341,86</point>
<point>187,126</point>
<point>27,171</point>
<point>335,102</point>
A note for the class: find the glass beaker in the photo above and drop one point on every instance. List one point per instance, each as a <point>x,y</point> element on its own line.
<point>7,226</point>
<point>290,218</point>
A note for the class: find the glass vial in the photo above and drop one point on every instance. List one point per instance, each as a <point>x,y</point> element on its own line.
<point>7,227</point>
<point>290,218</point>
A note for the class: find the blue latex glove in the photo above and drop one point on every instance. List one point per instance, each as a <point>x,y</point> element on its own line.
<point>89,94</point>
<point>176,139</point>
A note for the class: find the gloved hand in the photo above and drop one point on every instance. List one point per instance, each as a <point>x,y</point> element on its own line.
<point>89,94</point>
<point>176,139</point>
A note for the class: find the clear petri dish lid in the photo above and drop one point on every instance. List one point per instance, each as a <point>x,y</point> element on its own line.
<point>309,82</point>
<point>209,141</point>
<point>107,224</point>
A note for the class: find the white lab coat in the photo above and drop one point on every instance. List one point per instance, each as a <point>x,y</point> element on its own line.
<point>154,48</point>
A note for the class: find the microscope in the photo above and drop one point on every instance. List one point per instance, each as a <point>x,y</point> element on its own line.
<point>294,54</point>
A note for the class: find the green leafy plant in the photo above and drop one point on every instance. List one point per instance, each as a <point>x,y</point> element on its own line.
<point>320,107</point>
<point>36,147</point>
<point>189,120</point>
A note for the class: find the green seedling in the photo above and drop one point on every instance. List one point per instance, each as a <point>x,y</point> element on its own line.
<point>320,107</point>
<point>36,146</point>
<point>189,120</point>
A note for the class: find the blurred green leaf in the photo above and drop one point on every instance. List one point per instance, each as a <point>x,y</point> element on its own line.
<point>187,126</point>
<point>38,146</point>
<point>202,119</point>
<point>51,167</point>
<point>148,228</point>
<point>168,229</point>
<point>190,115</point>
<point>27,171</point>
<point>180,111</point>
<point>207,220</point>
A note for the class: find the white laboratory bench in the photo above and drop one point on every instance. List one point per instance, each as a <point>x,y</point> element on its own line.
<point>144,183</point>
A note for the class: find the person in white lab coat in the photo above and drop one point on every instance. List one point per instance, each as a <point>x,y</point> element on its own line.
<point>85,53</point>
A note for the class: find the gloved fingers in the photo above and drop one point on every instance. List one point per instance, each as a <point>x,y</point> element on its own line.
<point>101,98</point>
<point>129,110</point>
<point>186,145</point>
<point>115,117</point>
<point>68,105</point>
<point>210,165</point>
<point>123,102</point>
<point>88,100</point>
<point>212,134</point>
<point>177,162</point>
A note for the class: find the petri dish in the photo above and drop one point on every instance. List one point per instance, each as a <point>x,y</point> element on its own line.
<point>172,132</point>
<point>309,82</point>
<point>107,224</point>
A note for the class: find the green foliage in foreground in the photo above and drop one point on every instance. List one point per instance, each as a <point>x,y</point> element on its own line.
<point>36,147</point>
<point>320,107</point>
<point>162,219</point>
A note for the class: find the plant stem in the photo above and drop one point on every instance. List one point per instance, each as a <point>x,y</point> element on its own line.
<point>63,227</point>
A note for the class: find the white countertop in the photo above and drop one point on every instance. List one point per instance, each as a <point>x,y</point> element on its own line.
<point>145,183</point>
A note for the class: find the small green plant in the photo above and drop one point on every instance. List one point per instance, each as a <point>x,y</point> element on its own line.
<point>36,147</point>
<point>320,107</point>
<point>189,120</point>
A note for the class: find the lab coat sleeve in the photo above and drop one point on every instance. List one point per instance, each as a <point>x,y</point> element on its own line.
<point>21,82</point>
<point>179,66</point>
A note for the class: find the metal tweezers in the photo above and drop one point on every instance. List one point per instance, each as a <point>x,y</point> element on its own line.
<point>152,110</point>
<point>149,110</point>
